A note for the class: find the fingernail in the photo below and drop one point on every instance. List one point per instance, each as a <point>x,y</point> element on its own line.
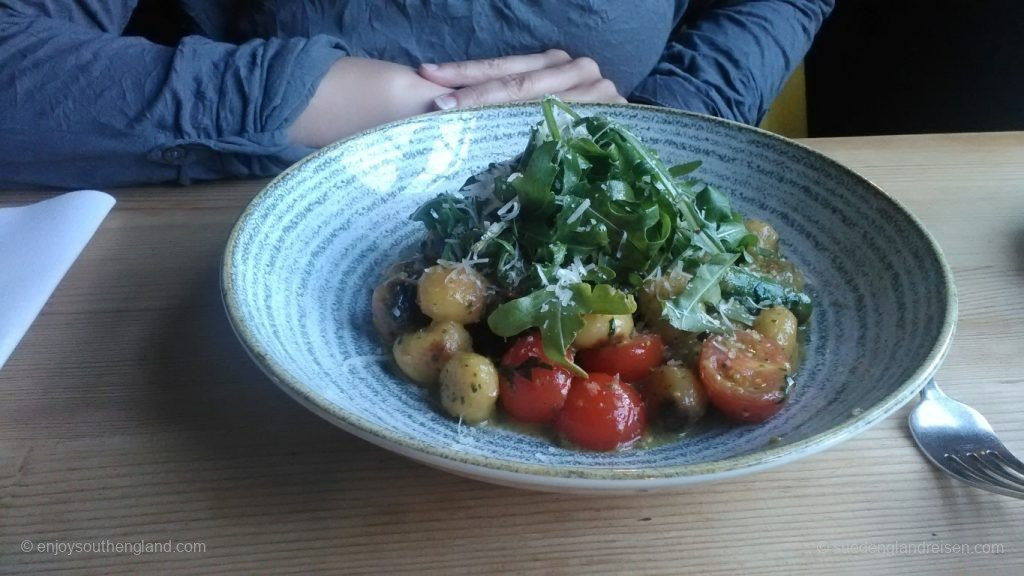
<point>445,101</point>
<point>428,66</point>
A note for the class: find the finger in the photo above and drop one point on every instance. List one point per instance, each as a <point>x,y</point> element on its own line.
<point>524,87</point>
<point>470,72</point>
<point>602,91</point>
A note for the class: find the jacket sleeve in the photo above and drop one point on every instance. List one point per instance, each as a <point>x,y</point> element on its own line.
<point>82,106</point>
<point>732,57</point>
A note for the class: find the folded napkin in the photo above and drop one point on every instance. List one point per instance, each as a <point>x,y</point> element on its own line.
<point>38,244</point>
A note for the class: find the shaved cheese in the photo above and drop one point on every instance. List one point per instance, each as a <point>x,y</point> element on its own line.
<point>510,210</point>
<point>618,253</point>
<point>583,207</point>
<point>563,294</point>
<point>465,264</point>
<point>493,229</point>
<point>655,274</point>
<point>573,273</point>
<point>540,272</point>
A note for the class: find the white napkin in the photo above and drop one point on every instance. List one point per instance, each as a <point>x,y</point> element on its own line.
<point>38,244</point>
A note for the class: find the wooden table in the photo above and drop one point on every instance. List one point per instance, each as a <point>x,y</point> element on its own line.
<point>130,414</point>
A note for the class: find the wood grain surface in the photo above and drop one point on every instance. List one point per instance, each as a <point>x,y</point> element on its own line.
<point>129,414</point>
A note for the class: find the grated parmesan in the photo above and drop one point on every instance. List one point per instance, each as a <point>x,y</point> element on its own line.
<point>563,294</point>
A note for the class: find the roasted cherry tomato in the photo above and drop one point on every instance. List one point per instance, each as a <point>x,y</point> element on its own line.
<point>602,413</point>
<point>632,360</point>
<point>745,375</point>
<point>530,388</point>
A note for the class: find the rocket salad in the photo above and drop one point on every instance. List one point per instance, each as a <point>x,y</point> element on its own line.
<point>615,290</point>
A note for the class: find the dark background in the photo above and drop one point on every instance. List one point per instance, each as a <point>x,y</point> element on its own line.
<point>910,66</point>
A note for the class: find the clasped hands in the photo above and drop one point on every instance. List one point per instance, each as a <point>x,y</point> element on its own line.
<point>520,78</point>
<point>359,93</point>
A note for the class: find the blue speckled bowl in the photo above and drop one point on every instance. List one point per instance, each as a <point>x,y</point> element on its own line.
<point>305,255</point>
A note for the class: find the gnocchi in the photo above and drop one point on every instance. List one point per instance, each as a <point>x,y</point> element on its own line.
<point>422,354</point>
<point>469,387</point>
<point>601,329</point>
<point>458,294</point>
<point>679,390</point>
<point>780,325</point>
<point>767,237</point>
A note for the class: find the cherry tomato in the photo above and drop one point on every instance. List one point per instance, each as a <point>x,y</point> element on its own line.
<point>530,388</point>
<point>632,360</point>
<point>602,413</point>
<point>744,375</point>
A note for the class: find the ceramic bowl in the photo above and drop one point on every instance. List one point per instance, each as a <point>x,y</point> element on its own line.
<point>304,256</point>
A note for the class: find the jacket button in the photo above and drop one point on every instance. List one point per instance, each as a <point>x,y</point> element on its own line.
<point>173,154</point>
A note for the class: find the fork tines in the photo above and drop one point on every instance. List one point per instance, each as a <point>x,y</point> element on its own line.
<point>996,469</point>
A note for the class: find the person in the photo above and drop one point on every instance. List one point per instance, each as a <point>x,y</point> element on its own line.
<point>259,84</point>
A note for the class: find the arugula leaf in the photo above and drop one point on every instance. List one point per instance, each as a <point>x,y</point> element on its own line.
<point>534,187</point>
<point>452,219</point>
<point>573,167</point>
<point>558,313</point>
<point>735,236</point>
<point>734,310</point>
<point>660,173</point>
<point>586,191</point>
<point>688,310</point>
<point>714,205</point>
<point>680,170</point>
<point>442,214</point>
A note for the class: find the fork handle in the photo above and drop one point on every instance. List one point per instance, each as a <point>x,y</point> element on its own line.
<point>931,391</point>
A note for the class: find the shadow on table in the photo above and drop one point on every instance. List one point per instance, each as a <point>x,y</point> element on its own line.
<point>267,481</point>
<point>228,415</point>
<point>1018,250</point>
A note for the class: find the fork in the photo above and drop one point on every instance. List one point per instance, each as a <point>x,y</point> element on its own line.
<point>958,439</point>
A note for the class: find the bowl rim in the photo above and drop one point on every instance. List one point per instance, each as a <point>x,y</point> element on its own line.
<point>554,477</point>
